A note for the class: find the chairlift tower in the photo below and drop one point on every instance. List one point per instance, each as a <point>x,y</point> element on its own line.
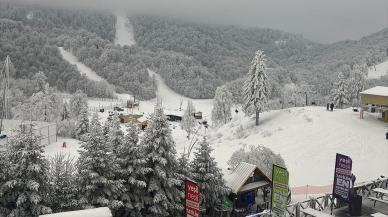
<point>4,80</point>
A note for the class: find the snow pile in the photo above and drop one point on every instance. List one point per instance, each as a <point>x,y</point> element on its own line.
<point>308,139</point>
<point>381,69</point>
<point>97,212</point>
<point>124,31</point>
<point>82,68</point>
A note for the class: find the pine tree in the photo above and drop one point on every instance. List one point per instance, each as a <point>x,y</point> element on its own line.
<point>358,81</point>
<point>132,170</point>
<point>65,112</point>
<point>96,169</point>
<point>188,120</point>
<point>340,94</point>
<point>24,192</point>
<point>115,134</point>
<point>256,88</point>
<point>82,126</point>
<point>184,167</point>
<point>77,102</point>
<point>222,104</point>
<point>162,180</point>
<point>63,186</point>
<point>208,176</point>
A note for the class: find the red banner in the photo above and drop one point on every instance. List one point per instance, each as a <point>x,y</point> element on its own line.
<point>193,198</point>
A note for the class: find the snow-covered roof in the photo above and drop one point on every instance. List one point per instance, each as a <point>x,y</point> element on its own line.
<point>236,180</point>
<point>97,212</point>
<point>378,91</point>
<point>142,119</point>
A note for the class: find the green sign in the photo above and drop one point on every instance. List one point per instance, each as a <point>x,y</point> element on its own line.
<point>279,195</point>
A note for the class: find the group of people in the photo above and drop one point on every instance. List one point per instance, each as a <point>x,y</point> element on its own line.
<point>330,106</point>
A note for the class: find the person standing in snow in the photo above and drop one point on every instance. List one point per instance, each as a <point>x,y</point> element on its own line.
<point>386,135</point>
<point>331,106</point>
<point>327,106</point>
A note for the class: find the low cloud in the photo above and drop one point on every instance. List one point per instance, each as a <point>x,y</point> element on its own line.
<point>319,20</point>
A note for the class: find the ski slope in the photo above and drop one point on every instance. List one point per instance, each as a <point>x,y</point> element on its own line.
<point>82,68</point>
<point>308,139</point>
<point>381,69</point>
<point>124,30</point>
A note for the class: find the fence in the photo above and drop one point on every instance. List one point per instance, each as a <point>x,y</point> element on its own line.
<point>328,201</point>
<point>47,133</point>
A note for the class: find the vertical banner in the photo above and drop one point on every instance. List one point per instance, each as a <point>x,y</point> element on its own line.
<point>342,177</point>
<point>193,199</point>
<point>280,177</point>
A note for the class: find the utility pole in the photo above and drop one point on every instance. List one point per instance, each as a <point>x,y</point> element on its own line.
<point>4,77</point>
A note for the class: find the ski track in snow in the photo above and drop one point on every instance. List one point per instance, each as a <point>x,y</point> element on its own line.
<point>124,30</point>
<point>82,68</point>
<point>381,69</point>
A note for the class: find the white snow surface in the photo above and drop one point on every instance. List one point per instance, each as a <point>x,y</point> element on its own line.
<point>96,212</point>
<point>72,147</point>
<point>124,30</point>
<point>378,91</point>
<point>308,139</point>
<point>82,68</point>
<point>381,69</point>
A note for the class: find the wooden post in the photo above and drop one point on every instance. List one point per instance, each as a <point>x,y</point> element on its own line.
<point>297,211</point>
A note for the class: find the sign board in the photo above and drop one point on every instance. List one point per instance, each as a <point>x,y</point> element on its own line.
<point>280,177</point>
<point>342,177</point>
<point>193,199</point>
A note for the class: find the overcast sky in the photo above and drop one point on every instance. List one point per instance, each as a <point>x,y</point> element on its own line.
<point>319,20</point>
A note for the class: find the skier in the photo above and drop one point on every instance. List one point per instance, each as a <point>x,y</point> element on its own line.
<point>386,135</point>
<point>327,106</point>
<point>331,106</point>
<point>64,145</point>
<point>236,111</point>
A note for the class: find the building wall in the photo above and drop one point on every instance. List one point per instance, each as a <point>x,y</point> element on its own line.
<point>373,99</point>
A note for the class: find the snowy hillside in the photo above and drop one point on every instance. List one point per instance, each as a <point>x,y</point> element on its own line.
<point>82,68</point>
<point>124,31</point>
<point>308,139</point>
<point>381,69</point>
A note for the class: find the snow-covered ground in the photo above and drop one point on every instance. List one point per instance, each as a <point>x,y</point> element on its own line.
<point>124,30</point>
<point>72,147</point>
<point>308,139</point>
<point>381,69</point>
<point>82,68</point>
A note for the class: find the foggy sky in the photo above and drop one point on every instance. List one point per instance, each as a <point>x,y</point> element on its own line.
<point>323,21</point>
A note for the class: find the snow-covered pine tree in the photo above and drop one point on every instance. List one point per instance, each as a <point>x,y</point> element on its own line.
<point>63,186</point>
<point>132,170</point>
<point>184,167</point>
<point>24,192</point>
<point>77,101</point>
<point>358,81</point>
<point>256,88</point>
<point>96,168</point>
<point>65,112</point>
<point>188,120</point>
<point>4,167</point>
<point>82,125</point>
<point>115,134</point>
<point>208,176</point>
<point>163,183</point>
<point>222,104</point>
<point>340,94</point>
